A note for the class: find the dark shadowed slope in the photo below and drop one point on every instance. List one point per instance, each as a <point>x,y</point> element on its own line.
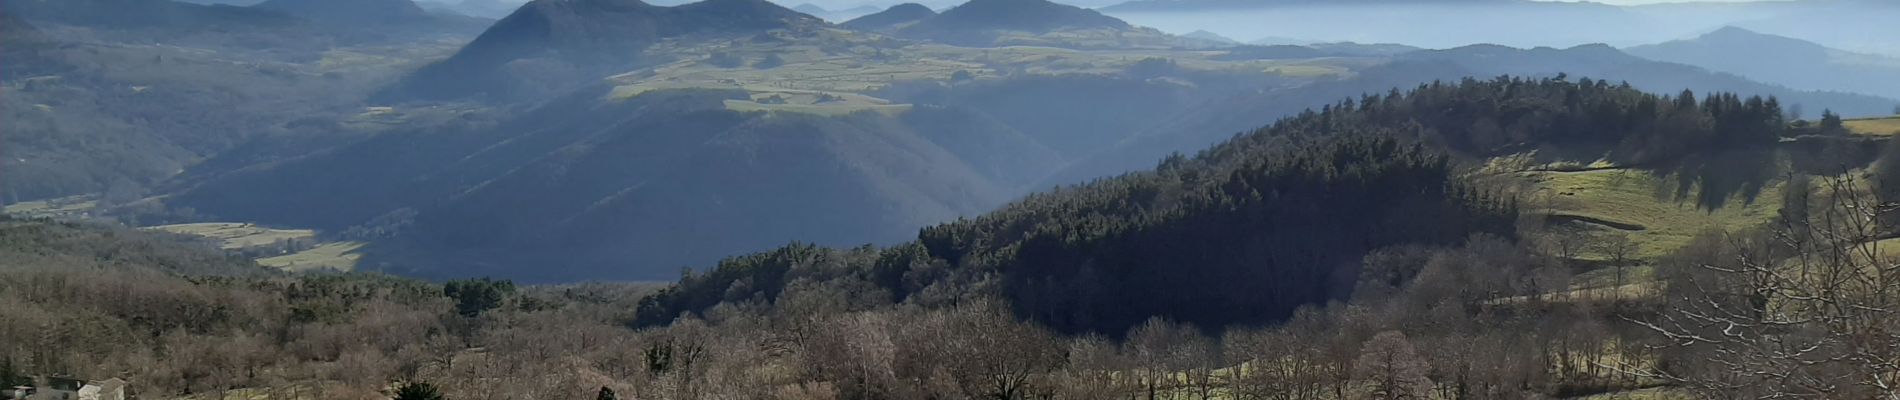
<point>1018,15</point>
<point>1782,60</point>
<point>551,45</point>
<point>635,189</point>
<point>891,19</point>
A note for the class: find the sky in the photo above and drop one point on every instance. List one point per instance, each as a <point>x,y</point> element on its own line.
<point>1643,2</point>
<point>1616,2</point>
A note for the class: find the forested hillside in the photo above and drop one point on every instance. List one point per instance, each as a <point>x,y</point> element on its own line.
<point>116,96</point>
<point>1216,121</point>
<point>998,199</point>
<point>1360,205</point>
<point>1251,229</point>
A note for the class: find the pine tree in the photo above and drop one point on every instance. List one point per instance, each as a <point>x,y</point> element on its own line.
<point>1831,123</point>
<point>606,393</point>
<point>474,296</point>
<point>418,391</point>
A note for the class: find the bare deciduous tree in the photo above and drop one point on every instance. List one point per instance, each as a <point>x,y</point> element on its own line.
<point>995,356</point>
<point>1159,348</point>
<point>1389,368</point>
<point>1807,310</point>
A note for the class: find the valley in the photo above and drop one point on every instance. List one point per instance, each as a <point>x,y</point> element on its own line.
<point>995,199</point>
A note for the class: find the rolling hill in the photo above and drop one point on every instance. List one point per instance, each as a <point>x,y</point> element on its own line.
<point>984,22</point>
<point>1782,60</point>
<point>549,46</point>
<point>891,19</point>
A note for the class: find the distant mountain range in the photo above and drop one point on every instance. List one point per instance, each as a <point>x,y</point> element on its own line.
<point>1217,120</point>
<point>1854,25</point>
<point>982,22</point>
<point>1207,5</point>
<point>1782,60</point>
<point>492,9</point>
<point>551,46</point>
<point>834,15</point>
<point>400,18</point>
<point>1210,36</point>
<point>338,11</point>
<point>1016,15</point>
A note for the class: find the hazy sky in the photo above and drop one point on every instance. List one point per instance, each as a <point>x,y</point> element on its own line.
<point>794,2</point>
<point>1639,2</point>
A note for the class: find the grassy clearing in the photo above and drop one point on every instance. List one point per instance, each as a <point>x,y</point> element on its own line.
<point>1639,198</point>
<point>1628,292</point>
<point>340,256</point>
<point>851,66</point>
<point>826,109</point>
<point>54,208</point>
<point>1606,277</point>
<point>238,236</point>
<point>1874,126</point>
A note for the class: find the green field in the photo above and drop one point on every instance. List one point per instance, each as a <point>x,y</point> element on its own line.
<point>340,256</point>
<point>239,236</point>
<point>848,68</point>
<point>1875,126</point>
<point>1640,199</point>
<point>54,208</point>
